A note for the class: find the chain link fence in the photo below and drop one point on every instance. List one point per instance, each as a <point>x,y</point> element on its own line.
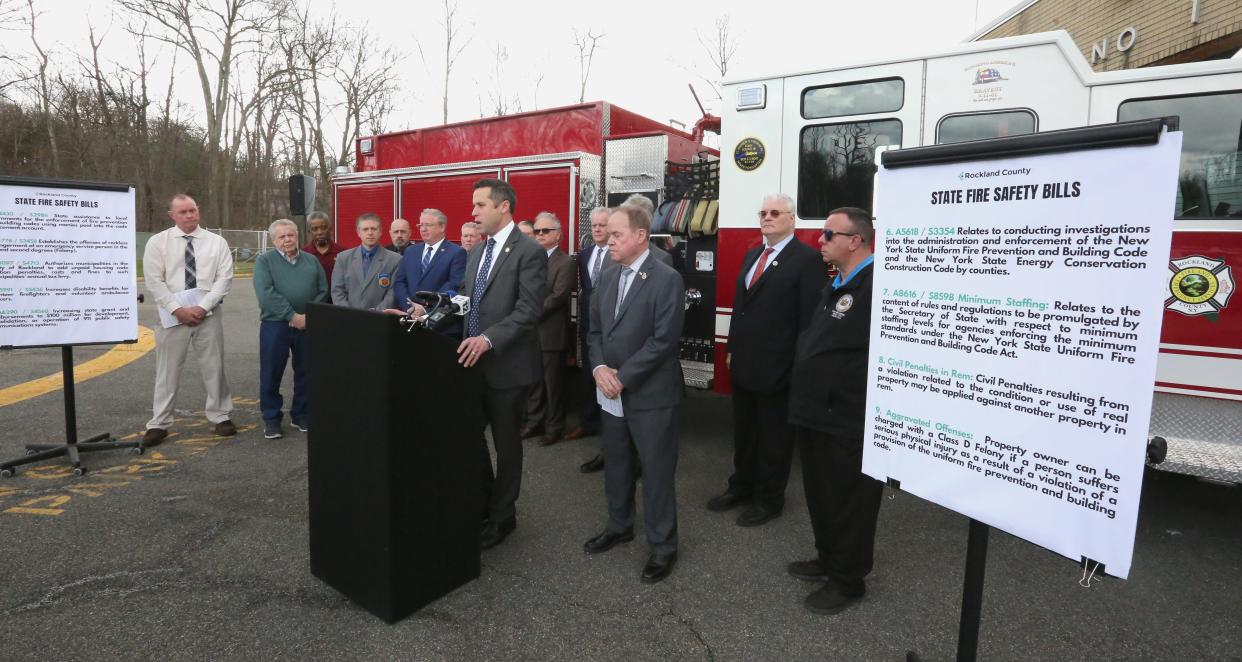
<point>247,245</point>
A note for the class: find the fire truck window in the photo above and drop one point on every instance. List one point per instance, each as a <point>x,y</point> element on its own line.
<point>876,96</point>
<point>977,126</point>
<point>1210,184</point>
<point>836,164</point>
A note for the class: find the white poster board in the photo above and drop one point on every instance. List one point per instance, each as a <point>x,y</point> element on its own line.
<point>1014,340</point>
<point>66,265</point>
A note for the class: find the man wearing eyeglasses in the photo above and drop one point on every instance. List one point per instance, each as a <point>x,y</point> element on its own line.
<point>545,410</point>
<point>775,295</point>
<point>431,265</point>
<point>827,406</point>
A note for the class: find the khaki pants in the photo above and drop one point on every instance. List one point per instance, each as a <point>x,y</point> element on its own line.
<point>171,346</point>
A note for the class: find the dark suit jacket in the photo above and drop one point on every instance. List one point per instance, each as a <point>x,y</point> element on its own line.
<point>768,317</point>
<point>509,309</point>
<point>585,288</point>
<point>828,386</point>
<point>444,274</point>
<point>554,322</point>
<point>642,339</point>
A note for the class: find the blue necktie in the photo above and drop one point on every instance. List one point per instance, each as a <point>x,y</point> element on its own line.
<point>480,282</point>
<point>426,258</point>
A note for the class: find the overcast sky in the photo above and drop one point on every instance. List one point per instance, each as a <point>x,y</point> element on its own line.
<point>644,62</point>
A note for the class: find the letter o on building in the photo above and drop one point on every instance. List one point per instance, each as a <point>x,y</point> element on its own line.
<point>1125,40</point>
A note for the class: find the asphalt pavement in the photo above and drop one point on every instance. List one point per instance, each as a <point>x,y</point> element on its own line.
<point>197,550</point>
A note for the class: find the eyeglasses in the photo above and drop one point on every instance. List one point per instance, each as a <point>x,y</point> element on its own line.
<point>830,233</point>
<point>774,213</point>
<point>544,230</point>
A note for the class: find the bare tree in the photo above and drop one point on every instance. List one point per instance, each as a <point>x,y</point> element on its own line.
<point>455,42</point>
<point>43,88</point>
<point>12,73</point>
<point>586,44</point>
<point>720,48</point>
<point>217,35</point>
<point>499,101</point>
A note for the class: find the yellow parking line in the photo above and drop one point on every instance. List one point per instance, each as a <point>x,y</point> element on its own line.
<point>114,358</point>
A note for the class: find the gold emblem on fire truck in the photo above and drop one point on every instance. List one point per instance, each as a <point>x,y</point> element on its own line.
<point>1199,286</point>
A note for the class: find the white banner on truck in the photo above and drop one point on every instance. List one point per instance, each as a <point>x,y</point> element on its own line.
<point>1013,347</point>
<point>66,266</point>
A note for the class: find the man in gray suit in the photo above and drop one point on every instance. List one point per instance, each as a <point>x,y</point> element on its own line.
<point>505,280</point>
<point>363,275</point>
<point>636,319</point>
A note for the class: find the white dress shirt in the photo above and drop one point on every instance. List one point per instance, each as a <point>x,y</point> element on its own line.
<point>597,253</point>
<point>776,250</point>
<point>430,247</point>
<point>163,267</point>
<point>500,237</point>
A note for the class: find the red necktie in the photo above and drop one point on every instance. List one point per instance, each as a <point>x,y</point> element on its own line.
<point>763,262</point>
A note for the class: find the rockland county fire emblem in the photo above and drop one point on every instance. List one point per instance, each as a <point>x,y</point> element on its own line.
<point>1199,285</point>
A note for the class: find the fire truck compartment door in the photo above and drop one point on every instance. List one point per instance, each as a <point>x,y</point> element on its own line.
<point>552,188</point>
<point>354,199</point>
<point>451,193</point>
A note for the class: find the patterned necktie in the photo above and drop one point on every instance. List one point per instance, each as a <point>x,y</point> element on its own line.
<point>622,289</point>
<point>763,262</point>
<point>191,273</point>
<point>599,260</point>
<point>426,258</point>
<point>480,282</point>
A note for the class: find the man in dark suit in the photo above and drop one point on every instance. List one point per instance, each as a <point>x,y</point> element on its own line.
<point>591,261</point>
<point>827,406</point>
<point>432,265</point>
<point>505,280</point>
<point>546,408</point>
<point>776,292</point>
<point>636,320</point>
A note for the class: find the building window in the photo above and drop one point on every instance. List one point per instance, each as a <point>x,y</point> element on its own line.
<point>977,126</point>
<point>1210,182</point>
<point>875,96</point>
<point>836,164</point>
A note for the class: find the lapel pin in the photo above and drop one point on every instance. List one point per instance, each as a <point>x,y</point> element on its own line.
<point>642,275</point>
<point>774,263</point>
<point>506,249</point>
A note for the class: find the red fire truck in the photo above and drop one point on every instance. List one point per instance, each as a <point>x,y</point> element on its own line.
<point>813,135</point>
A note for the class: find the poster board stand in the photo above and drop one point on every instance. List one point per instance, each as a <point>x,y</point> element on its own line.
<point>927,422</point>
<point>54,231</point>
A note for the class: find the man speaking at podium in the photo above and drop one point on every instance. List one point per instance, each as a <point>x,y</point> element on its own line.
<point>505,280</point>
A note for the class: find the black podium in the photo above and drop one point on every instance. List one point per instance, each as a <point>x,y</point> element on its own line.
<point>393,460</point>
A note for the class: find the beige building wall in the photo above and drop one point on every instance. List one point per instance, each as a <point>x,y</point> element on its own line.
<point>1165,32</point>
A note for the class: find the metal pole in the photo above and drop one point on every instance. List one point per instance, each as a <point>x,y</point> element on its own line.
<point>71,412</point>
<point>972,591</point>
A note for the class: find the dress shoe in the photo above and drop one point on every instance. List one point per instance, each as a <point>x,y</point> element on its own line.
<point>756,515</point>
<point>607,540</point>
<point>154,437</point>
<point>578,433</point>
<point>549,439</point>
<point>830,599</point>
<point>495,533</point>
<point>807,571</point>
<point>658,567</point>
<point>726,501</point>
<point>225,428</point>
<point>592,465</point>
<point>529,432</point>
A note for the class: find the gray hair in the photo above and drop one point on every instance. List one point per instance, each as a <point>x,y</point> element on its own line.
<point>472,225</point>
<point>527,224</point>
<point>600,210</point>
<point>317,216</point>
<point>271,229</point>
<point>640,200</point>
<point>790,205</point>
<point>440,217</point>
<point>550,217</point>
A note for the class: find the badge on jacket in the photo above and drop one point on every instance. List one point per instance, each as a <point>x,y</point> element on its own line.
<point>843,304</point>
<point>384,280</point>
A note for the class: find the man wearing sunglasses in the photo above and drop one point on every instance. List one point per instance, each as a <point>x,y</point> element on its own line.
<point>545,410</point>
<point>827,406</point>
<point>775,295</point>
